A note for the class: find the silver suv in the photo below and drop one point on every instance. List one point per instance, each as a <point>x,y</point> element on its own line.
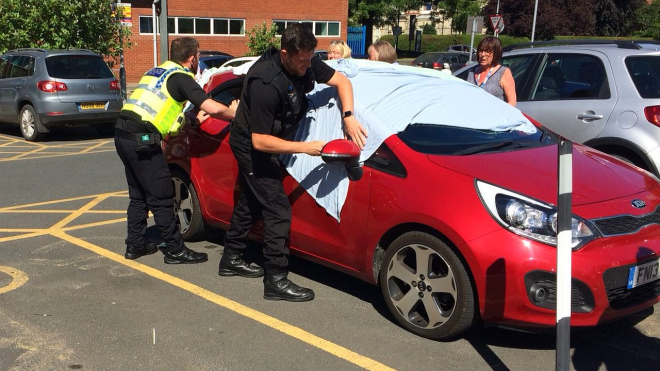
<point>604,93</point>
<point>42,89</point>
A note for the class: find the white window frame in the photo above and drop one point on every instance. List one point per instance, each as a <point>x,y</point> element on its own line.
<point>176,26</point>
<point>287,22</point>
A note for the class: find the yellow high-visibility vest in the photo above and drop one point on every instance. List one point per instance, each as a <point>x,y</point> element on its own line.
<point>153,103</point>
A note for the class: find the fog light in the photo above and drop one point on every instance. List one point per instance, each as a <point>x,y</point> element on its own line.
<point>539,293</point>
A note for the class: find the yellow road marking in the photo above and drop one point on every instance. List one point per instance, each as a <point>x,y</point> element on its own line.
<point>18,278</point>
<point>60,228</point>
<point>293,331</point>
<point>35,150</point>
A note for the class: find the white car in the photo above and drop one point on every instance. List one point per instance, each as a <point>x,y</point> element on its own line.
<point>235,62</point>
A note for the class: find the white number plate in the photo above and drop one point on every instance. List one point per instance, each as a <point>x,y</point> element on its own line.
<point>644,273</point>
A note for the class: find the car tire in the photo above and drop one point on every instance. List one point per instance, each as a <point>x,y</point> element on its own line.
<point>435,301</point>
<point>186,207</point>
<point>31,127</point>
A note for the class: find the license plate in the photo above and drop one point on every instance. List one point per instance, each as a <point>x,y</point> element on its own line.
<point>644,273</point>
<point>92,105</point>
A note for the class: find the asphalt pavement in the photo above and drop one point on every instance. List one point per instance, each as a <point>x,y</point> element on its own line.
<point>70,301</point>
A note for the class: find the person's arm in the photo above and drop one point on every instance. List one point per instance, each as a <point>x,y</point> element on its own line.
<point>272,144</point>
<point>219,110</point>
<point>353,128</point>
<point>509,87</point>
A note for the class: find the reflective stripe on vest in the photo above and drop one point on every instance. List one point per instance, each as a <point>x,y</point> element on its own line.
<point>152,101</point>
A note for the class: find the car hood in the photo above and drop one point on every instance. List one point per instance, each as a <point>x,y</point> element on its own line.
<point>533,172</point>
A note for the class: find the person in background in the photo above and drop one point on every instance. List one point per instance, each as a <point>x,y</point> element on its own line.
<point>153,111</point>
<point>490,75</point>
<point>382,51</point>
<point>338,50</point>
<point>446,68</point>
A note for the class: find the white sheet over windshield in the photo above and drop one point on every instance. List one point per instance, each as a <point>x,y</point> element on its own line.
<point>387,98</point>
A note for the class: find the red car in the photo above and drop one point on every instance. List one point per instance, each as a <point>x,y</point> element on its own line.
<point>453,224</point>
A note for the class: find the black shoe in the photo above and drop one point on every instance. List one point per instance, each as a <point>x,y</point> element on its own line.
<point>185,256</point>
<point>278,287</point>
<point>234,265</point>
<point>134,252</point>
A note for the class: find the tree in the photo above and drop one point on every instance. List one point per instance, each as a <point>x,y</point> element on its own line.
<point>616,17</point>
<point>647,21</point>
<point>61,24</point>
<point>260,38</point>
<point>376,13</point>
<point>458,11</point>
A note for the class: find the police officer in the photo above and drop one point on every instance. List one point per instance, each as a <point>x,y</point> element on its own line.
<point>153,111</point>
<point>272,103</point>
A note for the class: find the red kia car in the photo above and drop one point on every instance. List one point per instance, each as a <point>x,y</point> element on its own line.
<point>455,224</point>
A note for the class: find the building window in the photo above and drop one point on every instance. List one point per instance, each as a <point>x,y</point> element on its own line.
<point>428,6</point>
<point>196,26</point>
<point>319,28</point>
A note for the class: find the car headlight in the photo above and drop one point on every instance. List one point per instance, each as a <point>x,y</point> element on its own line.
<point>530,218</point>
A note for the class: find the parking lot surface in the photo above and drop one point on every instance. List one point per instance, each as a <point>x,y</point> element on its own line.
<point>69,299</point>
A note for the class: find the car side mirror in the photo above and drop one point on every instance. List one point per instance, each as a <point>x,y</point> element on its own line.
<point>346,152</point>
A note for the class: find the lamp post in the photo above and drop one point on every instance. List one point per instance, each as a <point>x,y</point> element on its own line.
<point>122,70</point>
<point>536,7</point>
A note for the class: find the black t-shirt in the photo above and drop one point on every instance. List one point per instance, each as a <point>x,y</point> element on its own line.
<point>181,86</point>
<point>264,102</point>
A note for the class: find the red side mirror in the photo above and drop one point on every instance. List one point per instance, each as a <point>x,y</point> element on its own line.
<point>340,150</point>
<point>345,152</point>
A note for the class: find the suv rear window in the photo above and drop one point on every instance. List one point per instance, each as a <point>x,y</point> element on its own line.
<point>645,73</point>
<point>77,67</point>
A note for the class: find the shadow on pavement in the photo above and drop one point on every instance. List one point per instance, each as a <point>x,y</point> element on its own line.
<point>67,134</point>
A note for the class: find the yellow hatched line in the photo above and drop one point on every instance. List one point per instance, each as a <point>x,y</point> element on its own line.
<point>272,322</point>
<point>110,194</point>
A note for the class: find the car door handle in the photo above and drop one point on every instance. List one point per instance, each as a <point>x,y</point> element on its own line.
<point>589,116</point>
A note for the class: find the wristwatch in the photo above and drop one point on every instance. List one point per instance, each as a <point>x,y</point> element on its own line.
<point>347,114</point>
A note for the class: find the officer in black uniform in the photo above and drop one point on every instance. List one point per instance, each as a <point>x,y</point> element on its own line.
<point>148,115</point>
<point>272,103</point>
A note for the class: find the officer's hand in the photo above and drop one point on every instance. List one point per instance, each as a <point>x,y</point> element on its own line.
<point>314,148</point>
<point>202,116</point>
<point>354,131</point>
<point>234,104</point>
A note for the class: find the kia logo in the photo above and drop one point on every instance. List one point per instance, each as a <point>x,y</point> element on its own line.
<point>638,204</point>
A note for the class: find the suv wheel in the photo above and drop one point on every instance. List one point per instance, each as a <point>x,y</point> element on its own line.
<point>31,127</point>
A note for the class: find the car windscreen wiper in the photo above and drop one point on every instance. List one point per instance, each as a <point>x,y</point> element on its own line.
<point>486,147</point>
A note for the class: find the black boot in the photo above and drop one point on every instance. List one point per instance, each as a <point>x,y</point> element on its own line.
<point>134,252</point>
<point>185,256</point>
<point>279,287</point>
<point>234,265</point>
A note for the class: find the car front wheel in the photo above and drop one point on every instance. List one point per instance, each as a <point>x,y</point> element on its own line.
<point>186,206</point>
<point>30,125</point>
<point>426,287</point>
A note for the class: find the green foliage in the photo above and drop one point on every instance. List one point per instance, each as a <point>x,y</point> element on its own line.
<point>458,11</point>
<point>647,21</point>
<point>429,29</point>
<point>61,24</point>
<point>260,38</point>
<point>439,43</point>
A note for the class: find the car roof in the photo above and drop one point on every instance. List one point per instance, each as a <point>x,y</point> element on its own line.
<point>598,44</point>
<point>48,52</point>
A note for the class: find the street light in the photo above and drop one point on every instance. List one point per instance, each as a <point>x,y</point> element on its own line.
<point>536,7</point>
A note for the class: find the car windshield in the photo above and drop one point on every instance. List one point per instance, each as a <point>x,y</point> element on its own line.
<point>452,140</point>
<point>645,73</point>
<point>77,67</point>
<point>428,57</point>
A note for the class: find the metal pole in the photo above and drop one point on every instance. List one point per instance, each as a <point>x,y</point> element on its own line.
<point>564,231</point>
<point>474,25</point>
<point>498,7</point>
<point>164,33</point>
<point>153,24</point>
<point>536,7</point>
<point>122,70</point>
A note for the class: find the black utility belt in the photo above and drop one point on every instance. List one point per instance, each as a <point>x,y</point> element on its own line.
<point>145,141</point>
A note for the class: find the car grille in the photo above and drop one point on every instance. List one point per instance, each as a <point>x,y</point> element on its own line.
<point>626,224</point>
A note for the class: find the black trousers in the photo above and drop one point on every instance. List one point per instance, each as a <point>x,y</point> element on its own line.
<point>261,195</point>
<point>149,189</point>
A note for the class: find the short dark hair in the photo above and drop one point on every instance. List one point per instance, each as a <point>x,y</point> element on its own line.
<point>183,48</point>
<point>298,37</point>
<point>494,44</point>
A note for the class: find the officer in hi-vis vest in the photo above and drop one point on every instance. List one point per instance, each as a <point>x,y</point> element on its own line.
<point>272,103</point>
<point>153,111</point>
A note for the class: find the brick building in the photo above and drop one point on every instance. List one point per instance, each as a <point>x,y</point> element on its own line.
<point>224,25</point>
